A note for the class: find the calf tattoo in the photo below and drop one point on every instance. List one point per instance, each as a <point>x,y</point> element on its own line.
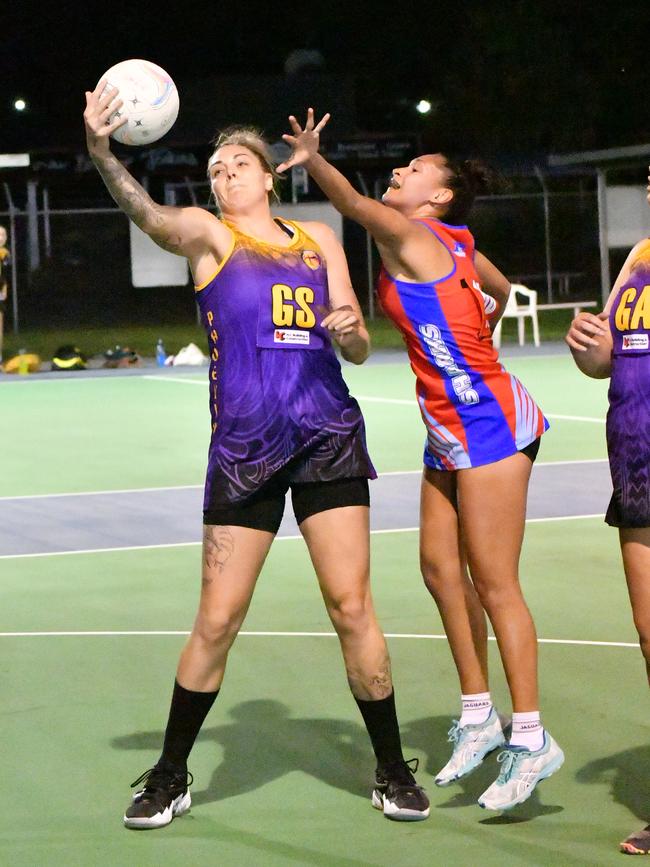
<point>371,687</point>
<point>218,547</point>
<point>382,682</point>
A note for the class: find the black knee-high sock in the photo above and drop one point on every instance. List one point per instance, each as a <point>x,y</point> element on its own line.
<point>186,714</point>
<point>381,721</point>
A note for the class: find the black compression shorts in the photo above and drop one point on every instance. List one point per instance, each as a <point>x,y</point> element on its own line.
<point>263,510</point>
<point>531,449</point>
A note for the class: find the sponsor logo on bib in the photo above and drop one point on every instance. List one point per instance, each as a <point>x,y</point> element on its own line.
<point>311,259</point>
<point>284,335</point>
<point>635,341</point>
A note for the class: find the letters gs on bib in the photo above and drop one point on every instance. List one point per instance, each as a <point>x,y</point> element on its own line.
<point>287,314</point>
<point>287,319</point>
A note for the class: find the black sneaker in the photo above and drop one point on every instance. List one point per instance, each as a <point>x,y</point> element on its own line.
<point>165,795</point>
<point>397,793</point>
<point>638,843</point>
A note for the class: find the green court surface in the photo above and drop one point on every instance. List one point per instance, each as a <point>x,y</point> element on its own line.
<point>104,433</point>
<point>283,768</point>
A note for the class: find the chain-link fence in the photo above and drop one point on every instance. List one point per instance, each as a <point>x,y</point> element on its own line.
<point>77,268</point>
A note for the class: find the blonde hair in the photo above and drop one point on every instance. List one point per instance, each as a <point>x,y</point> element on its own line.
<point>642,255</point>
<point>252,139</point>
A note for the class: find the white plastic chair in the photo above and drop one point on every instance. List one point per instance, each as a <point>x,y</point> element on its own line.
<point>519,312</point>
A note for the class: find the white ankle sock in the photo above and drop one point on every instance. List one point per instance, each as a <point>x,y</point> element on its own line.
<point>476,708</point>
<point>527,731</point>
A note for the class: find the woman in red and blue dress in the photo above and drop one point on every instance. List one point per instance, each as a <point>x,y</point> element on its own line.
<point>483,431</point>
<point>616,345</point>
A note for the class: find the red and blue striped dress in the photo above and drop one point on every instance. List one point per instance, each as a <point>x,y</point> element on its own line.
<point>475,412</point>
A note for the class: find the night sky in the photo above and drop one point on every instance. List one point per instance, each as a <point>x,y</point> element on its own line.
<point>504,78</point>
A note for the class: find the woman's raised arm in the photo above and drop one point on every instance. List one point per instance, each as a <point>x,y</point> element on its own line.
<point>407,249</point>
<point>184,231</point>
<point>384,224</point>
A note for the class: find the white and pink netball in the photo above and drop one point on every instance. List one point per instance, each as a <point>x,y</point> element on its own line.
<point>150,101</point>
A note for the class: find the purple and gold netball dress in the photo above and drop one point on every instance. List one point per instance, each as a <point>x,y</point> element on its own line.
<point>277,396</point>
<point>628,419</point>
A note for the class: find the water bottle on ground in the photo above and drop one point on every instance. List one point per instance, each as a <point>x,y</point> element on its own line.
<point>161,355</point>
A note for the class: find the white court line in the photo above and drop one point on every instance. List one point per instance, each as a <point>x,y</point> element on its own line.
<point>392,400</point>
<point>372,399</point>
<point>107,377</point>
<point>563,518</point>
<point>367,398</point>
<point>101,493</point>
<point>4,380</point>
<point>197,487</point>
<point>575,418</point>
<point>537,464</point>
<point>185,380</point>
<point>397,400</point>
<point>152,490</point>
<point>565,463</point>
<point>108,550</point>
<point>174,632</point>
<point>171,545</point>
<point>277,539</point>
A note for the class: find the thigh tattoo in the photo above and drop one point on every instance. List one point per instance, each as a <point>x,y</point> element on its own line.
<point>218,547</point>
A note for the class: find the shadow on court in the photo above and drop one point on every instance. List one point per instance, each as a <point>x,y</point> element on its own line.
<point>259,846</point>
<point>264,743</point>
<point>627,773</point>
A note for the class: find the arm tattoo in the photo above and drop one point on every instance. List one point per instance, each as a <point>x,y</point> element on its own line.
<point>218,547</point>
<point>171,243</point>
<point>136,203</point>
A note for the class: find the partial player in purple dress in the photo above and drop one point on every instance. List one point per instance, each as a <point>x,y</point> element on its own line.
<point>616,344</point>
<point>4,261</point>
<point>628,419</point>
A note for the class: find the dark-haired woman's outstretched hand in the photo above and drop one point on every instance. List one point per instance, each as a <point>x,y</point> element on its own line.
<point>304,142</point>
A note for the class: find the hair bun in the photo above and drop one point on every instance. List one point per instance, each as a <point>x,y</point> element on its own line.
<point>483,179</point>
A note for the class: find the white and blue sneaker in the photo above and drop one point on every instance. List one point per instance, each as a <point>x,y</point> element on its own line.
<point>472,743</point>
<point>521,771</point>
